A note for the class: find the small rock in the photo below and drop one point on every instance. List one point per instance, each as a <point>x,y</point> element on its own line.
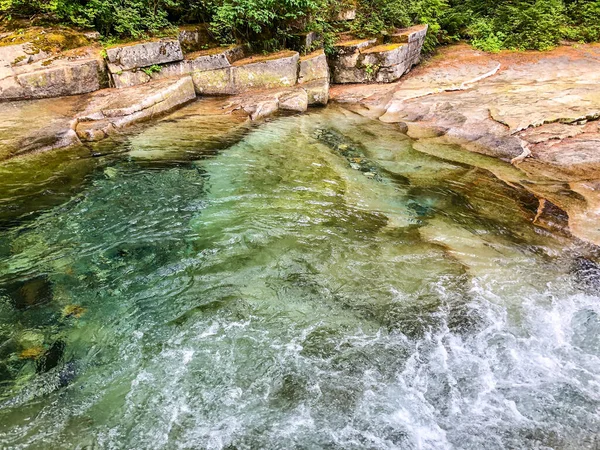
<point>110,172</point>
<point>294,101</point>
<point>73,311</point>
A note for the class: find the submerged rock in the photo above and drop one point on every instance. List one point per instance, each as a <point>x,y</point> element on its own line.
<point>587,274</point>
<point>352,151</point>
<point>29,293</point>
<point>52,357</point>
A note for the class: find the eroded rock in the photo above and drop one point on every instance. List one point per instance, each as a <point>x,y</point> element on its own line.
<point>107,112</point>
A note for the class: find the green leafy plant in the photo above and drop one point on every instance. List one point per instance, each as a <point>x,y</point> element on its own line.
<point>152,69</point>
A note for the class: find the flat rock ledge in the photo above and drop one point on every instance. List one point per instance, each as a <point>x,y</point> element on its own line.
<point>107,112</point>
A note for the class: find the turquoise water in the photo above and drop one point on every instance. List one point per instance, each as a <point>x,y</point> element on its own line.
<point>309,282</point>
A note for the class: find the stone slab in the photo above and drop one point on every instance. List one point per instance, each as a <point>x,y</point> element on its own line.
<point>54,78</point>
<point>386,55</point>
<point>214,82</point>
<point>279,70</point>
<point>109,111</point>
<point>144,54</point>
<point>313,67</point>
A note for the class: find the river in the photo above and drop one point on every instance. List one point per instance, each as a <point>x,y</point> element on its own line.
<point>309,282</point>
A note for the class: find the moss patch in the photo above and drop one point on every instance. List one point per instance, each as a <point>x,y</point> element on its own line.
<point>50,40</point>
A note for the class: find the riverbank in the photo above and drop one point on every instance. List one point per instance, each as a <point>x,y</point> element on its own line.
<point>535,110</point>
<point>528,117</point>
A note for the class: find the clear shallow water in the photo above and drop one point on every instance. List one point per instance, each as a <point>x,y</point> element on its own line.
<point>316,283</point>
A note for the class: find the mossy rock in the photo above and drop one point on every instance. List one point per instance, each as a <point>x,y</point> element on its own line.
<point>49,40</point>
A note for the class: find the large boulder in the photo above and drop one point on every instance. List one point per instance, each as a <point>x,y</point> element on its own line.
<point>313,67</point>
<point>144,54</point>
<point>54,78</point>
<point>266,72</point>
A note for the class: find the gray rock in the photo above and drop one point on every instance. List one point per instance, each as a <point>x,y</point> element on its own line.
<point>361,61</point>
<point>59,78</point>
<point>393,73</point>
<point>144,54</point>
<point>262,109</point>
<point>313,67</point>
<point>108,112</point>
<point>214,82</point>
<point>280,70</point>
<point>18,55</point>
<point>129,78</point>
<point>296,100</point>
<point>352,46</point>
<point>317,92</point>
<point>200,61</point>
<point>385,55</point>
<point>342,75</point>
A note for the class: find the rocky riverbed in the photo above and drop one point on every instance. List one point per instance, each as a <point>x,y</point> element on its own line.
<point>528,117</point>
<point>537,111</point>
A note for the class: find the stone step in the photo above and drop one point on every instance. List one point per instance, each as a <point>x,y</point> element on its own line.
<point>210,59</point>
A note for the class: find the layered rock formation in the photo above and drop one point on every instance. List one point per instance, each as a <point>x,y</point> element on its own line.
<point>535,110</point>
<point>367,60</point>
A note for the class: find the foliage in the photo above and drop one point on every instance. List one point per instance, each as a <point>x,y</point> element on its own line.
<point>155,68</point>
<point>584,20</point>
<point>490,25</point>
